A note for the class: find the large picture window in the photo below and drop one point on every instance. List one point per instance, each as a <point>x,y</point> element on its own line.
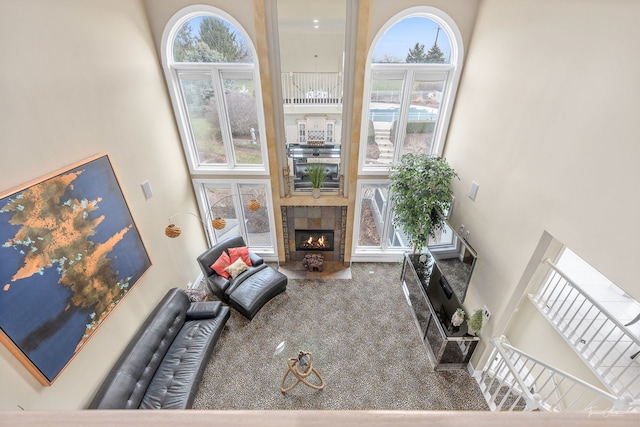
<point>212,73</point>
<point>413,69</point>
<point>238,207</point>
<point>212,76</point>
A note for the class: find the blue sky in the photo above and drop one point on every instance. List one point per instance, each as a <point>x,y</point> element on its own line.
<point>195,27</point>
<point>404,35</point>
<point>396,41</point>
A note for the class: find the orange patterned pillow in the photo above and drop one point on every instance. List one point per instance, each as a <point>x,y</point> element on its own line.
<point>241,252</point>
<point>221,263</point>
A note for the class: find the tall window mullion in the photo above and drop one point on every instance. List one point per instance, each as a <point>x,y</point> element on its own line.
<point>225,126</point>
<point>401,123</point>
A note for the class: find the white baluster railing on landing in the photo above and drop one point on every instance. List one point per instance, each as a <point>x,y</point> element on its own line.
<point>604,343</point>
<point>311,88</point>
<point>515,381</point>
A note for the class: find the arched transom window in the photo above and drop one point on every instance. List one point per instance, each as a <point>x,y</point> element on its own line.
<point>414,67</point>
<point>213,78</point>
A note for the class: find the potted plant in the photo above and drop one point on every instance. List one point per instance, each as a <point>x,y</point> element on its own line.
<point>457,318</point>
<point>420,193</point>
<point>474,323</point>
<point>317,174</point>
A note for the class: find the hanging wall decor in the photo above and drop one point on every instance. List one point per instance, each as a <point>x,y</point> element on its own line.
<point>70,251</point>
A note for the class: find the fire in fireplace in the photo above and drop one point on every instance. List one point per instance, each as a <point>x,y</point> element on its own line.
<point>314,240</point>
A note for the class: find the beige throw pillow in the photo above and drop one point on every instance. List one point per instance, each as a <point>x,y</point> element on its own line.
<point>236,268</point>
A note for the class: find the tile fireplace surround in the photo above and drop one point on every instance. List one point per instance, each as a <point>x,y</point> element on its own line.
<point>314,218</point>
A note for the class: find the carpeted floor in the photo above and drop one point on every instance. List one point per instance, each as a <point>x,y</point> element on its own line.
<point>363,340</point>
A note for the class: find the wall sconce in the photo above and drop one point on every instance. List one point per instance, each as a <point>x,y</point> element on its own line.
<point>218,223</point>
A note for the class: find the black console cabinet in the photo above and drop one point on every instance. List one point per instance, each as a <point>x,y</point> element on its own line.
<point>432,303</point>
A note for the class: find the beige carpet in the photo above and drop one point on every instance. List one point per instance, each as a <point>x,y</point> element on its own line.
<point>364,343</point>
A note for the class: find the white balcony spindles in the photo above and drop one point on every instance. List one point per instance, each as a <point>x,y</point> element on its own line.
<point>602,341</point>
<point>312,88</point>
<point>516,381</point>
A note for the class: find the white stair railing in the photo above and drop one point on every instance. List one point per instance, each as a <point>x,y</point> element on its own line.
<point>311,88</point>
<point>515,381</point>
<point>603,342</point>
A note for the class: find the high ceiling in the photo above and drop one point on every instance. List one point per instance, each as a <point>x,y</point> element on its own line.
<point>297,16</point>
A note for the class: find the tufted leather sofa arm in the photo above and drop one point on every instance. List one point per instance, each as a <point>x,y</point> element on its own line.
<point>203,309</point>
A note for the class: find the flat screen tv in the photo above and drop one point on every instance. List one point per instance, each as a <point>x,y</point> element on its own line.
<point>455,258</point>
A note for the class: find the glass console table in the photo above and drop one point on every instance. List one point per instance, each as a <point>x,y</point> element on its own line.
<point>432,303</point>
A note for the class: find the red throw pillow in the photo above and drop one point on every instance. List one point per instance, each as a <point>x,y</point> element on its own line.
<point>221,263</point>
<point>242,252</point>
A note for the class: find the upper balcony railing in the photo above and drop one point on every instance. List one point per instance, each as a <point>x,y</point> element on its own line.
<point>312,88</point>
<point>606,345</point>
<point>512,380</point>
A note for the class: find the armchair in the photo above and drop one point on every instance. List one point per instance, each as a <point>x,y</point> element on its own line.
<point>250,289</point>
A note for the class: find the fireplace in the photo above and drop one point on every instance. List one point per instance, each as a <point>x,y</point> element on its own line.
<point>330,221</point>
<point>314,240</point>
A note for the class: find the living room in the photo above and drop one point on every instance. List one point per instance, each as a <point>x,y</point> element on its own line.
<point>85,77</point>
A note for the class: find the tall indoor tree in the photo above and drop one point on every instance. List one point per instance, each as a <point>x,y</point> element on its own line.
<point>420,193</point>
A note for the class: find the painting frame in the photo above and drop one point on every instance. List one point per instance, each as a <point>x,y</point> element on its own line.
<point>70,252</point>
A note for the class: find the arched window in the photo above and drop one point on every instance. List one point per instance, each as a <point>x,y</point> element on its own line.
<point>414,67</point>
<point>213,79</point>
<point>212,73</point>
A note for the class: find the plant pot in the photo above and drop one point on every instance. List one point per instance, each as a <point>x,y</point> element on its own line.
<point>315,192</point>
<point>457,319</point>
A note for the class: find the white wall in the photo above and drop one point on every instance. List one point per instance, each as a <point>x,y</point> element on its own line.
<point>160,11</point>
<point>78,78</point>
<point>546,122</point>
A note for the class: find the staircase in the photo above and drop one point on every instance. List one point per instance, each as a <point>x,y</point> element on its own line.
<point>383,139</point>
<point>515,381</point>
<point>606,346</point>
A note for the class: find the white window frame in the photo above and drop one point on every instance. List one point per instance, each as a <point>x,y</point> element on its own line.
<point>268,253</point>
<point>172,69</point>
<point>383,253</point>
<point>451,71</point>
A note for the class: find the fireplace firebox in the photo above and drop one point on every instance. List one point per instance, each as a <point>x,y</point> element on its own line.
<point>314,240</point>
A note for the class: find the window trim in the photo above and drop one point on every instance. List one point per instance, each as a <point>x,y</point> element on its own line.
<point>376,175</point>
<point>171,71</point>
<point>380,253</point>
<point>453,70</point>
<point>200,184</point>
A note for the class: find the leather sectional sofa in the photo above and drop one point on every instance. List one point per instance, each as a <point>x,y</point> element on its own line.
<point>163,364</point>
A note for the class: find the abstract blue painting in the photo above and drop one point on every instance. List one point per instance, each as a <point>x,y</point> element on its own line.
<point>69,252</point>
